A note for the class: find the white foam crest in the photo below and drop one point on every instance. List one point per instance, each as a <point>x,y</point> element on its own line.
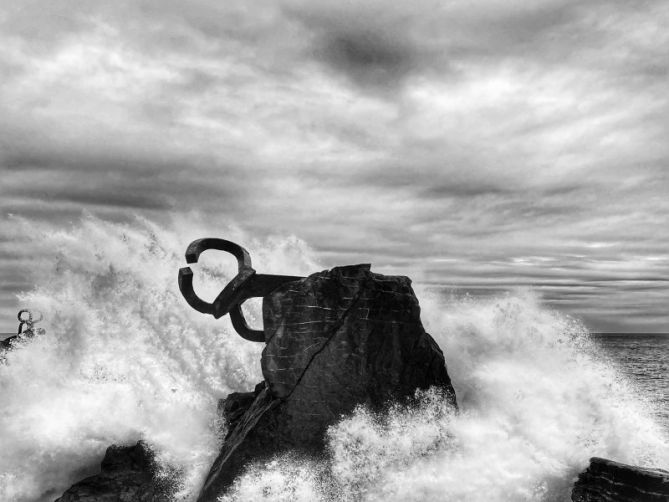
<point>124,357</point>
<point>535,404</point>
<point>287,478</point>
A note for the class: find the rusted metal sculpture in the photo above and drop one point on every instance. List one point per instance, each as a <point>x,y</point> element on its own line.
<point>246,284</point>
<point>27,322</point>
<point>26,330</point>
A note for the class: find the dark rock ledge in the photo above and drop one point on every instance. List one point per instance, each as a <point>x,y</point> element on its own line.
<point>127,474</point>
<point>609,481</point>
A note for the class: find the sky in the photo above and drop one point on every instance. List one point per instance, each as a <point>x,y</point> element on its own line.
<point>475,146</point>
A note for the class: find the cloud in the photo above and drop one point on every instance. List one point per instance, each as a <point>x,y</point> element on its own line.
<point>520,143</point>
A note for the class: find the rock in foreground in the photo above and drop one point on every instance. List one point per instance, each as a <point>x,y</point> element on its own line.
<point>127,475</point>
<point>335,340</point>
<point>609,481</point>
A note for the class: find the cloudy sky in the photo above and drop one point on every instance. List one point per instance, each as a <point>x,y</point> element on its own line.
<point>475,145</point>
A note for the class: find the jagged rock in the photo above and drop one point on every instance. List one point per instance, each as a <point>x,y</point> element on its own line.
<point>6,344</point>
<point>336,339</point>
<point>608,481</point>
<point>127,475</point>
<point>9,343</point>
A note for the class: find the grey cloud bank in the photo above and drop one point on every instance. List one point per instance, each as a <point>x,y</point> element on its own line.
<point>477,146</point>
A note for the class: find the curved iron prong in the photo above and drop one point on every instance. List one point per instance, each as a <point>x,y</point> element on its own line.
<point>230,295</point>
<point>258,286</point>
<point>241,326</point>
<point>197,247</point>
<point>186,288</point>
<point>246,284</point>
<point>25,311</point>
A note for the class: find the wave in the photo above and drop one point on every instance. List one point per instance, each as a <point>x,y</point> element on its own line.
<point>536,402</point>
<point>124,358</point>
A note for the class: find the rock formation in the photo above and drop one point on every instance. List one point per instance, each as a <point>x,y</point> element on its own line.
<point>335,339</point>
<point>6,344</point>
<point>127,475</point>
<point>609,481</point>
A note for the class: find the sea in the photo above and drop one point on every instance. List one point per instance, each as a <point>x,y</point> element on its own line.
<point>644,359</point>
<point>124,358</point>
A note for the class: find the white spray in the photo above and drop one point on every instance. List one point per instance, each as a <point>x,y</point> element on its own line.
<point>535,402</point>
<point>125,358</point>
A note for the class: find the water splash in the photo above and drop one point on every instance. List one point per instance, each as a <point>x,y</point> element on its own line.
<point>126,359</point>
<point>535,401</point>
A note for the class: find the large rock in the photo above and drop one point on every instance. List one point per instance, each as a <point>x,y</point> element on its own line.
<point>335,340</point>
<point>128,474</point>
<point>609,481</point>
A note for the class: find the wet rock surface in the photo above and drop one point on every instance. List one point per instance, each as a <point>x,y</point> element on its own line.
<point>335,339</point>
<point>14,341</point>
<point>127,475</point>
<point>608,481</point>
<point>6,345</point>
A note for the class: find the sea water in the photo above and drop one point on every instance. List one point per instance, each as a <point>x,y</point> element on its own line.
<point>644,359</point>
<point>125,358</point>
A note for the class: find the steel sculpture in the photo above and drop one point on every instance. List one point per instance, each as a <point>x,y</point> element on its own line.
<point>246,284</point>
<point>26,330</point>
<point>27,322</point>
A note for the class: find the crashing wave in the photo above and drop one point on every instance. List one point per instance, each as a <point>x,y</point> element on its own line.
<point>126,359</point>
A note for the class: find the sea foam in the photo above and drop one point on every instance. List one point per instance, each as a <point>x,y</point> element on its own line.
<point>535,403</point>
<point>125,358</point>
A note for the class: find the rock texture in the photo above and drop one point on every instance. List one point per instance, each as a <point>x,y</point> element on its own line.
<point>10,342</point>
<point>6,345</point>
<point>127,475</point>
<point>335,339</point>
<point>609,481</point>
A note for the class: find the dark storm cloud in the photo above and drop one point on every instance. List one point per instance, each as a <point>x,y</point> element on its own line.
<point>379,46</point>
<point>367,58</point>
<point>472,145</point>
